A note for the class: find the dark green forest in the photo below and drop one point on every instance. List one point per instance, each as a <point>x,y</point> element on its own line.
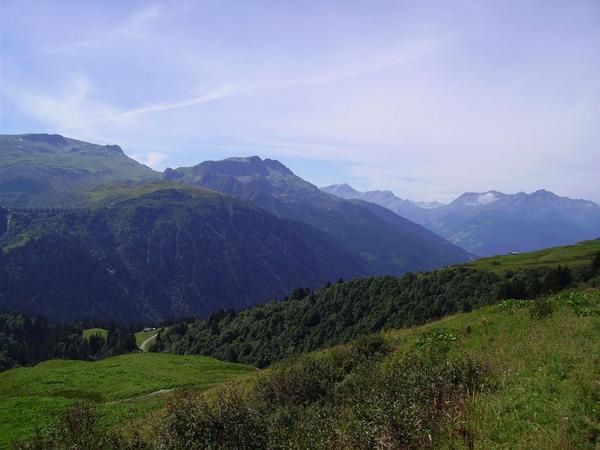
<point>344,311</point>
<point>160,252</point>
<point>25,341</point>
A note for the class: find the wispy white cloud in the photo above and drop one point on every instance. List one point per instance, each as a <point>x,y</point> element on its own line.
<point>216,94</point>
<point>75,110</point>
<point>74,106</point>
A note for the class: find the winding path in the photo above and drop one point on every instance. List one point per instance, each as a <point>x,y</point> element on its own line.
<point>146,342</point>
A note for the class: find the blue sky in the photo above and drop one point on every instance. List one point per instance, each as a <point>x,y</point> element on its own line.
<point>426,98</point>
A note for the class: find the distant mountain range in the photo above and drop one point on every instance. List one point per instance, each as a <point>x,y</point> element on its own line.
<point>385,198</point>
<point>491,222</point>
<point>87,232</point>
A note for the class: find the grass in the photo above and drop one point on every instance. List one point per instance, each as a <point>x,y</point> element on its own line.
<point>547,371</point>
<point>33,397</point>
<point>141,336</point>
<point>91,331</point>
<point>571,255</point>
<point>106,194</point>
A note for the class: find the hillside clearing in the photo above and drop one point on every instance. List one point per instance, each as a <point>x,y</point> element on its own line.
<point>95,331</point>
<point>570,255</point>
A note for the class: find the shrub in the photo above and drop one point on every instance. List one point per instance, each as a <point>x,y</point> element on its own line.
<point>540,309</point>
<point>231,421</point>
<point>408,402</point>
<point>302,381</point>
<point>370,346</point>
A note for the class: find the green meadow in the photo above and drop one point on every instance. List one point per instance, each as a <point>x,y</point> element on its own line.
<point>124,387</point>
<point>570,255</point>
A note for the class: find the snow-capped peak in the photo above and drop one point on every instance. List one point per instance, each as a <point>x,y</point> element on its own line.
<point>487,198</point>
<point>479,199</point>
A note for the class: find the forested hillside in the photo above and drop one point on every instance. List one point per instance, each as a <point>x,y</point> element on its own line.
<point>347,310</point>
<point>156,251</point>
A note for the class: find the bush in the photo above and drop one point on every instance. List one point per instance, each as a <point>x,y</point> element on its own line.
<point>231,421</point>
<point>407,402</point>
<point>540,309</point>
<point>305,380</point>
<point>370,346</point>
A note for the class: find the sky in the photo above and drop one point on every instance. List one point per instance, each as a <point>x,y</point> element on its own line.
<point>427,98</point>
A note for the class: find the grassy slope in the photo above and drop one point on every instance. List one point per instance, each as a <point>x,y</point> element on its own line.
<point>571,255</point>
<point>547,372</point>
<point>105,194</point>
<point>91,331</point>
<point>49,171</point>
<point>29,397</point>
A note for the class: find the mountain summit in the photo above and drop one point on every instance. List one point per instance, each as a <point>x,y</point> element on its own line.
<point>384,242</point>
<point>478,199</point>
<point>51,170</point>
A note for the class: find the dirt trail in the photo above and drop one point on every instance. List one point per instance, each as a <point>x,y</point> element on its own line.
<point>146,342</point>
